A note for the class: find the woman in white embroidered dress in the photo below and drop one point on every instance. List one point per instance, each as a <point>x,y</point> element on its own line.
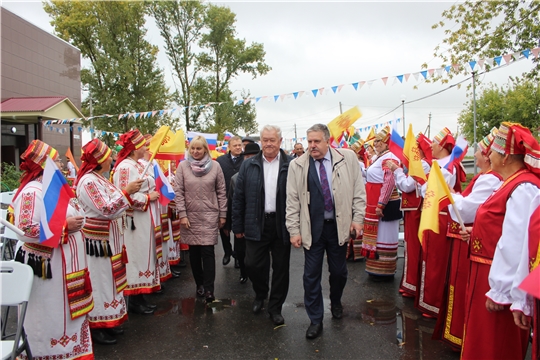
<point>140,237</point>
<point>56,329</point>
<point>381,225</point>
<point>104,205</point>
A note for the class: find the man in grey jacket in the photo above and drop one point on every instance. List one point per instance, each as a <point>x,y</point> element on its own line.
<point>326,202</point>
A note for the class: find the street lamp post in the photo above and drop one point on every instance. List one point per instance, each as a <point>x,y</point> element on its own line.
<point>403,112</point>
<point>87,88</point>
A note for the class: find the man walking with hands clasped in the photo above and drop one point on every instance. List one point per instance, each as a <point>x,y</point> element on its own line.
<point>326,202</point>
<point>259,215</point>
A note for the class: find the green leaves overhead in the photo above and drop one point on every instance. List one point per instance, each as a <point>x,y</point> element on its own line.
<point>486,29</point>
<point>518,102</point>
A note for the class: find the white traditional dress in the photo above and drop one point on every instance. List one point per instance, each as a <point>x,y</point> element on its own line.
<point>380,241</point>
<point>104,205</point>
<point>140,236</point>
<point>56,322</point>
<point>159,217</point>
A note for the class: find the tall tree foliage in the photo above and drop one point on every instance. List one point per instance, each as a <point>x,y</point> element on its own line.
<point>206,55</point>
<point>123,75</point>
<point>224,58</point>
<point>181,24</point>
<point>517,102</point>
<point>486,29</point>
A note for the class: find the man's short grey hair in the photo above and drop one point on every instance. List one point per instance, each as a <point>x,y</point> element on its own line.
<point>271,128</point>
<point>320,128</point>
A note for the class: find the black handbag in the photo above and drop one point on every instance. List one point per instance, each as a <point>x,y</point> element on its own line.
<point>392,211</point>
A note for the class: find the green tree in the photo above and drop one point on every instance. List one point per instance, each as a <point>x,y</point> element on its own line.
<point>224,57</point>
<point>123,75</point>
<point>518,102</point>
<point>486,29</point>
<point>180,24</point>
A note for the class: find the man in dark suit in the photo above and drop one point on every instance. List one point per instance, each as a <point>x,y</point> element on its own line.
<point>230,164</point>
<point>326,203</point>
<point>259,216</point>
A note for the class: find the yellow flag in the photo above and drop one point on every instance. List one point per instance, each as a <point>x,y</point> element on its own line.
<point>173,146</point>
<point>413,160</point>
<point>437,197</point>
<point>157,140</point>
<point>371,134</point>
<point>343,122</point>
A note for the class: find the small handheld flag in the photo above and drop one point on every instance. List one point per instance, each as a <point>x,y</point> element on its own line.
<point>56,196</point>
<point>163,187</point>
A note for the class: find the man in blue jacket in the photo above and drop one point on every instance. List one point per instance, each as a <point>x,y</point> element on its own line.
<point>259,215</point>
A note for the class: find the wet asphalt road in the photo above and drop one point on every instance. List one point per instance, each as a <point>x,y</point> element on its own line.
<point>377,323</point>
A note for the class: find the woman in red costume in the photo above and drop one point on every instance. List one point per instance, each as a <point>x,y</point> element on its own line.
<point>449,326</point>
<point>496,244</point>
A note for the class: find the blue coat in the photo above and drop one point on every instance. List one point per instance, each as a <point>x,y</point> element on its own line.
<point>248,200</point>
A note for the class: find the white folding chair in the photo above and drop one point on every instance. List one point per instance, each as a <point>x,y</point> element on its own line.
<point>8,236</point>
<point>16,284</point>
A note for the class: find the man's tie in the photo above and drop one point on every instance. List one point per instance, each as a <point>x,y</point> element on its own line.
<point>328,205</point>
<point>234,160</point>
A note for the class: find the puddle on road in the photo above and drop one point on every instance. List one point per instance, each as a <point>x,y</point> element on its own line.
<point>194,306</point>
<point>412,331</point>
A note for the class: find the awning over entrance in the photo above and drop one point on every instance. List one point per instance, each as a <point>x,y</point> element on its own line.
<point>30,109</point>
<point>23,121</point>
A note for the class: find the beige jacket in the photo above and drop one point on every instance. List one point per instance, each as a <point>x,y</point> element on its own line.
<point>347,187</point>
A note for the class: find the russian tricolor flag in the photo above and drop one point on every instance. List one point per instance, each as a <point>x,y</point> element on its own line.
<point>396,143</point>
<point>458,153</point>
<point>163,186</point>
<point>56,196</point>
<point>211,139</point>
<point>228,135</point>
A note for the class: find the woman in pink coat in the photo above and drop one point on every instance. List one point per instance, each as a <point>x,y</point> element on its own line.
<point>201,202</point>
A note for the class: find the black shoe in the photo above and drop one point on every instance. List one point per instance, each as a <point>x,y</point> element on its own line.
<point>243,279</point>
<point>99,336</point>
<point>145,303</point>
<point>226,259</point>
<point>209,297</point>
<point>337,311</point>
<point>277,319</point>
<point>313,331</point>
<point>236,264</point>
<point>181,264</point>
<point>257,306</point>
<point>200,291</point>
<point>139,309</point>
<point>161,290</point>
<point>115,331</point>
<point>175,274</point>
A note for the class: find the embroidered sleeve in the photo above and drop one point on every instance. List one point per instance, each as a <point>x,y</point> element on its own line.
<point>27,214</point>
<point>123,176</point>
<point>389,182</point>
<point>107,202</point>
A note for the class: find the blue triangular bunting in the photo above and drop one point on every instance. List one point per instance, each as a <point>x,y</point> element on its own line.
<point>295,94</point>
<point>257,99</point>
<point>400,78</point>
<point>334,88</point>
<point>498,60</point>
<point>472,64</point>
<point>526,53</point>
<point>315,92</point>
<point>276,97</point>
<point>355,85</point>
<point>424,74</point>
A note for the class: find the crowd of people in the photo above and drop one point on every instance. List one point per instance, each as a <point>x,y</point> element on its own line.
<point>121,243</point>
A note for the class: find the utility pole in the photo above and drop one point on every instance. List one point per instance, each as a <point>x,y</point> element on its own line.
<point>474,112</point>
<point>91,117</point>
<point>429,127</point>
<point>295,135</point>
<point>340,108</point>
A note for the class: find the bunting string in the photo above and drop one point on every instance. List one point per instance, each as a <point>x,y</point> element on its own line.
<point>419,76</point>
